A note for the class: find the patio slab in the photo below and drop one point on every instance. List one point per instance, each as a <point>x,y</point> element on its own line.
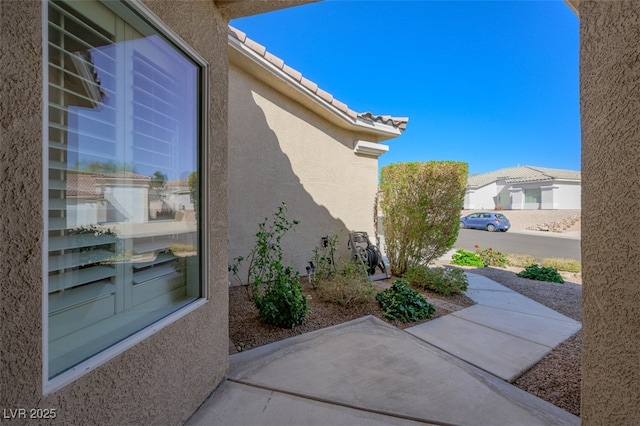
<point>486,292</point>
<point>535,328</point>
<point>501,354</point>
<point>370,367</point>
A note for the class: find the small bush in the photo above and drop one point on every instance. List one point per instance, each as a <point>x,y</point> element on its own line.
<point>520,260</point>
<point>403,303</point>
<point>445,281</point>
<point>541,273</point>
<point>348,285</point>
<point>491,257</point>
<point>275,288</point>
<point>561,264</point>
<point>282,304</point>
<point>466,258</point>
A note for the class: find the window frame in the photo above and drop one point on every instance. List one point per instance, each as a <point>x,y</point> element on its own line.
<point>131,11</point>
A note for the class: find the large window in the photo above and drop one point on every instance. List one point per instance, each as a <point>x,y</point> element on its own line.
<point>532,196</point>
<point>124,138</point>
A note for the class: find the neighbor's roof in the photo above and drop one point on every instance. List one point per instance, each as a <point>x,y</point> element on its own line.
<point>86,185</point>
<point>522,174</point>
<point>272,61</point>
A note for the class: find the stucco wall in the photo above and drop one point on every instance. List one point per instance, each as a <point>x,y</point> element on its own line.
<point>609,83</point>
<point>163,379</point>
<point>482,198</point>
<point>279,152</point>
<point>567,196</point>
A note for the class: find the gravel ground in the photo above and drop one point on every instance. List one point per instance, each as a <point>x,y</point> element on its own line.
<point>246,331</point>
<point>556,378</point>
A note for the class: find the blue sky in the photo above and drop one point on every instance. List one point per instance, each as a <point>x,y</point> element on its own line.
<point>491,83</point>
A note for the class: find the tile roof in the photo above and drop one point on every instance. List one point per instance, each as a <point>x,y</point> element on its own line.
<point>399,123</point>
<point>87,185</point>
<point>82,185</point>
<point>523,174</point>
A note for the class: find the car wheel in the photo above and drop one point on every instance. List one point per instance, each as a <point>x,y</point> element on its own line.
<point>491,227</point>
<point>462,225</point>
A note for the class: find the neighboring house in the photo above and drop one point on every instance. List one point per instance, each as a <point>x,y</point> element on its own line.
<point>524,188</point>
<point>292,142</point>
<point>97,198</point>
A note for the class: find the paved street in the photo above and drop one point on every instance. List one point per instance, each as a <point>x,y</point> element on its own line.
<point>538,245</point>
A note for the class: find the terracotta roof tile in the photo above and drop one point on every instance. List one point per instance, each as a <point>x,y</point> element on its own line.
<point>236,33</point>
<point>296,75</point>
<point>82,185</point>
<point>324,95</point>
<point>399,123</point>
<point>256,47</point>
<point>340,105</point>
<point>309,84</point>
<point>279,63</point>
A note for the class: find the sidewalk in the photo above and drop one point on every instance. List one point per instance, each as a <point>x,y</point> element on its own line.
<point>452,370</point>
<point>573,235</point>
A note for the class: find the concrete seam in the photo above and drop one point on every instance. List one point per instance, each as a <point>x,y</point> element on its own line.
<point>341,404</point>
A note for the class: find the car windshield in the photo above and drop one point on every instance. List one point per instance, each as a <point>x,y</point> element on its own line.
<point>501,216</point>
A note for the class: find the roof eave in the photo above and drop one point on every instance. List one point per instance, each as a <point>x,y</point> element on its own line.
<point>248,60</point>
<point>233,9</point>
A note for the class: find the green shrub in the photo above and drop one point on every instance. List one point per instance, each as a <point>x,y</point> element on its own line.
<point>421,203</point>
<point>541,273</point>
<point>467,258</point>
<point>446,281</point>
<point>275,288</point>
<point>282,303</point>
<point>403,303</point>
<point>348,285</point>
<point>562,264</point>
<point>491,257</point>
<point>520,260</point>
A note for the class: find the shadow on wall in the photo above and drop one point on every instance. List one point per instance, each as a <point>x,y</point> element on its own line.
<point>262,123</point>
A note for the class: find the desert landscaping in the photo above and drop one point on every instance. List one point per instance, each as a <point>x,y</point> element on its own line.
<point>556,378</point>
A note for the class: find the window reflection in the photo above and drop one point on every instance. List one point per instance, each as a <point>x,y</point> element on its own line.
<point>123,143</point>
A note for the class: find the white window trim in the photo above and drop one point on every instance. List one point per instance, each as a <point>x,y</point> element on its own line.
<point>69,376</point>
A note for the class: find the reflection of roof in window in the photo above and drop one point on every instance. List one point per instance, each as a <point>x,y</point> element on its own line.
<point>86,73</point>
<point>82,185</point>
<point>88,185</point>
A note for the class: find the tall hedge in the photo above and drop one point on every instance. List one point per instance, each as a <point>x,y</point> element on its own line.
<point>421,203</point>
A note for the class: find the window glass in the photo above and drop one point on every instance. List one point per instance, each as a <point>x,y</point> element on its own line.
<point>532,196</point>
<point>123,154</point>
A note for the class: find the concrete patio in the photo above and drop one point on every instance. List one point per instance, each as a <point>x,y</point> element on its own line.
<point>453,370</point>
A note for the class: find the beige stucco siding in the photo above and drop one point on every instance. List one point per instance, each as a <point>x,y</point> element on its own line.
<point>280,151</point>
<point>164,378</point>
<point>609,82</point>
